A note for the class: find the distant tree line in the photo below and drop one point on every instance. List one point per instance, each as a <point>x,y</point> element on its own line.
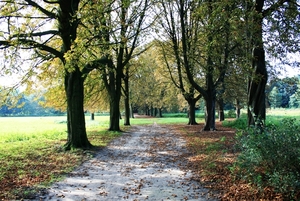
<point>284,93</point>
<point>27,106</point>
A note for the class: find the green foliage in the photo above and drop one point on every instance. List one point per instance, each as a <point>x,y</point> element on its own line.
<point>272,157</point>
<point>231,114</point>
<point>275,98</point>
<point>240,123</point>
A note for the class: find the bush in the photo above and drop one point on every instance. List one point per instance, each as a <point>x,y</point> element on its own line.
<point>272,157</point>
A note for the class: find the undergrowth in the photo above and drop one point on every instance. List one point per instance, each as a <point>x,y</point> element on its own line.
<point>271,158</point>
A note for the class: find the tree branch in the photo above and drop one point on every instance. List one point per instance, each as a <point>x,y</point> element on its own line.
<point>51,2</point>
<point>37,6</point>
<point>273,7</point>
<point>94,65</point>
<point>43,33</point>
<point>40,46</point>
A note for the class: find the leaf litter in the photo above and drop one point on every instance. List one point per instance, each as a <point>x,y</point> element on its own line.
<point>147,163</point>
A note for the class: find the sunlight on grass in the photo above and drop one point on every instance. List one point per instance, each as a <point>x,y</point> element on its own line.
<point>163,120</point>
<point>31,150</point>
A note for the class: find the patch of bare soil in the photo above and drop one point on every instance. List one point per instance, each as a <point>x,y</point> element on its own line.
<point>147,163</point>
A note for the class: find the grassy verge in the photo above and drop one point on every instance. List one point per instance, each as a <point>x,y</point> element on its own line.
<point>31,152</point>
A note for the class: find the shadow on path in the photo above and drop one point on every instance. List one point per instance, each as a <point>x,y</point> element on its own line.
<point>147,163</point>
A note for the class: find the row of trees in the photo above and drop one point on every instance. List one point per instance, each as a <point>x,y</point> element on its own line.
<point>88,54</point>
<point>27,106</point>
<point>284,93</point>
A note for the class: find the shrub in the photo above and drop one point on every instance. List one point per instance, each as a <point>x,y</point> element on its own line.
<point>272,157</point>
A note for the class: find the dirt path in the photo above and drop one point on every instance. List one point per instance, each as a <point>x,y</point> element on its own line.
<point>144,164</point>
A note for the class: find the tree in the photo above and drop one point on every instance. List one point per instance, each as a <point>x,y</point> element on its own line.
<point>280,16</point>
<point>28,29</point>
<point>150,87</point>
<point>122,23</point>
<point>171,53</point>
<point>203,44</point>
<point>281,91</point>
<point>275,98</point>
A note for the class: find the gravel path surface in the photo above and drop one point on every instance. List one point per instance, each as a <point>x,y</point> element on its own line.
<point>144,164</point>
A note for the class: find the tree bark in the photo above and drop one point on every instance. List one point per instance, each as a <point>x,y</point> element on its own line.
<point>210,96</point>
<point>238,109</point>
<point>257,82</point>
<point>159,112</point>
<point>131,111</point>
<point>114,113</point>
<point>126,98</point>
<point>191,112</point>
<point>155,112</point>
<point>221,110</point>
<point>127,112</point>
<point>210,113</point>
<point>77,137</point>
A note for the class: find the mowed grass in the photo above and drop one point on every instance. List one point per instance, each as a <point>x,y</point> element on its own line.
<point>274,116</point>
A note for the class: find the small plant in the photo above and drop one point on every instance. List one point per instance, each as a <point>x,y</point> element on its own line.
<point>271,158</point>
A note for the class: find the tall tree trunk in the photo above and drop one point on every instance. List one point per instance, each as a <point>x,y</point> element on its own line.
<point>210,112</point>
<point>127,111</point>
<point>151,111</point>
<point>126,98</point>
<point>113,86</point>
<point>114,92</point>
<point>114,124</point>
<point>114,111</point>
<point>191,112</point>
<point>210,99</point>
<point>257,82</point>
<point>92,116</point>
<point>77,137</point>
<point>131,111</point>
<point>73,81</point>
<point>155,112</point>
<point>221,109</point>
<point>238,109</point>
<point>159,112</point>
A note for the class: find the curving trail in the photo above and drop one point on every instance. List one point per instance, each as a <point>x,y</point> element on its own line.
<point>147,163</point>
